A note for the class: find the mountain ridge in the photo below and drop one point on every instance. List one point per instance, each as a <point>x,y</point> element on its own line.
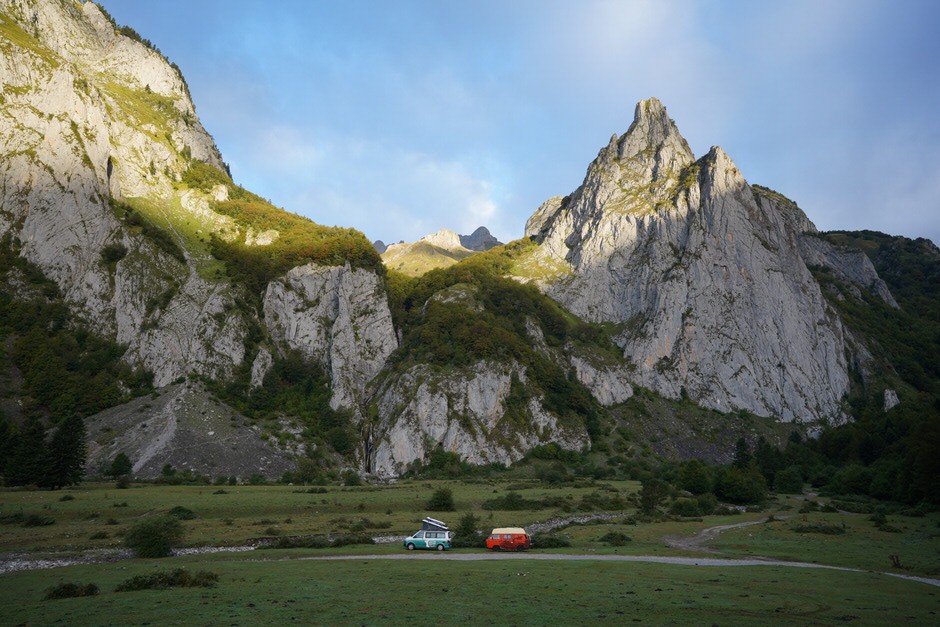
<point>663,282</point>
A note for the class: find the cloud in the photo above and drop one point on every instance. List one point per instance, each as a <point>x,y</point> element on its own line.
<point>388,192</point>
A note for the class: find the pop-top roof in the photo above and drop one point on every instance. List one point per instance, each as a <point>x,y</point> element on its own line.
<point>508,530</point>
<point>433,524</point>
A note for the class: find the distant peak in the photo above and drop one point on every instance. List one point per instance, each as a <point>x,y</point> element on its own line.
<point>444,238</point>
<point>479,240</point>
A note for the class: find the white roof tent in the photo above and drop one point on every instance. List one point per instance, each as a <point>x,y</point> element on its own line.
<point>432,524</point>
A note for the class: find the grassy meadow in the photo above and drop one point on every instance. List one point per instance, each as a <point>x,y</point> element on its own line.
<point>282,586</point>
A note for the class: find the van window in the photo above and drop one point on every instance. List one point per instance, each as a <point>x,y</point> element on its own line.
<point>420,534</point>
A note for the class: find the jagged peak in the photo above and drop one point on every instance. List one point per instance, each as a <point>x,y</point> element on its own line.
<point>653,128</point>
<point>721,170</point>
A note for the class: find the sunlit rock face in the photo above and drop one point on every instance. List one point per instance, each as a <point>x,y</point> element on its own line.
<point>702,271</point>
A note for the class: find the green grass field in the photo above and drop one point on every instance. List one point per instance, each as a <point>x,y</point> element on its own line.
<point>277,587</point>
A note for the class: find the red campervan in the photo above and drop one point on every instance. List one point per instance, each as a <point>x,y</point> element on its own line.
<point>509,539</point>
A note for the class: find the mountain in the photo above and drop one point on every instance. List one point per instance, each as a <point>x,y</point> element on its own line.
<point>437,250</point>
<point>479,240</point>
<point>116,199</point>
<point>706,277</point>
<point>666,307</point>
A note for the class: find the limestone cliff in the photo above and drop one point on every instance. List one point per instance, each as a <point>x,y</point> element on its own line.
<point>464,412</point>
<point>703,272</point>
<point>90,115</point>
<point>336,316</point>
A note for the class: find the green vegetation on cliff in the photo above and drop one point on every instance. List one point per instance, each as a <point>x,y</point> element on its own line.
<point>497,324</point>
<point>890,454</point>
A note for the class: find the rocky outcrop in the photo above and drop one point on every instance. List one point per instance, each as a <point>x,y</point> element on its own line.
<point>337,316</point>
<point>463,412</point>
<point>479,240</point>
<point>850,265</point>
<point>702,272</point>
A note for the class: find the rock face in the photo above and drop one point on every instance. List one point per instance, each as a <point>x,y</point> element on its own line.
<point>90,114</point>
<point>337,316</point>
<point>479,240</point>
<point>463,412</point>
<point>702,271</point>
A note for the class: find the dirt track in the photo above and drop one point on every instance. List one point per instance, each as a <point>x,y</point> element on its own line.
<point>695,542</point>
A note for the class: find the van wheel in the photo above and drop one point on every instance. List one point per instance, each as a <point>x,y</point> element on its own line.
<point>411,547</point>
<point>440,547</point>
<point>521,547</point>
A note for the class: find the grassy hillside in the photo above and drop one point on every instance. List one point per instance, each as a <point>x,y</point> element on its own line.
<point>421,257</point>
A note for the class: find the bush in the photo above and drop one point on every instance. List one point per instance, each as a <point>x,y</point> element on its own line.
<point>789,480</point>
<point>467,534</point>
<point>824,528</point>
<point>512,502</point>
<point>302,542</point>
<point>66,497</point>
<point>615,538</point>
<point>442,501</point>
<point>178,578</point>
<point>549,541</point>
<point>181,513</point>
<point>70,590</point>
<point>740,486</point>
<point>685,507</point>
<point>154,537</point>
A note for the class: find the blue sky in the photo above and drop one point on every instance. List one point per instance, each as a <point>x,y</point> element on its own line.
<point>401,118</point>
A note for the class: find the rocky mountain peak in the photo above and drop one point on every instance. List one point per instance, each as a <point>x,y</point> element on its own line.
<point>444,238</point>
<point>653,140</point>
<point>480,240</point>
<point>703,272</point>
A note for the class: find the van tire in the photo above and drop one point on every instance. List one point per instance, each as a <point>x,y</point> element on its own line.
<point>410,547</point>
<point>440,547</point>
<point>521,547</point>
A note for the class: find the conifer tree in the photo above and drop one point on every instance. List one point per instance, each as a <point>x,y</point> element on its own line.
<point>66,458</point>
<point>28,455</point>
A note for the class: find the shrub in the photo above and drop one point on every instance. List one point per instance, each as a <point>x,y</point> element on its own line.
<point>66,497</point>
<point>549,541</point>
<point>615,538</point>
<point>685,507</point>
<point>789,480</point>
<point>178,578</point>
<point>154,537</point>
<point>70,590</point>
<point>181,513</point>
<point>512,502</point>
<point>352,538</point>
<point>467,533</point>
<point>120,466</point>
<point>819,527</point>
<point>442,501</point>
<point>302,542</point>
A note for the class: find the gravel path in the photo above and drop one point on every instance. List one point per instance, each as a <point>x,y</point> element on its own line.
<point>696,542</point>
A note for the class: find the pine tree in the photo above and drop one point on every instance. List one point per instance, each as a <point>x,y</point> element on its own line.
<point>66,459</point>
<point>28,455</point>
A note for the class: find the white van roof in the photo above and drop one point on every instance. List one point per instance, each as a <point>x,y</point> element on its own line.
<point>508,530</point>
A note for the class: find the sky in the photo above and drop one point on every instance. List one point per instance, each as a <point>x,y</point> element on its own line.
<point>403,118</point>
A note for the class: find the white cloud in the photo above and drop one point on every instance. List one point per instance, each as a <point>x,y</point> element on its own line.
<point>388,192</point>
